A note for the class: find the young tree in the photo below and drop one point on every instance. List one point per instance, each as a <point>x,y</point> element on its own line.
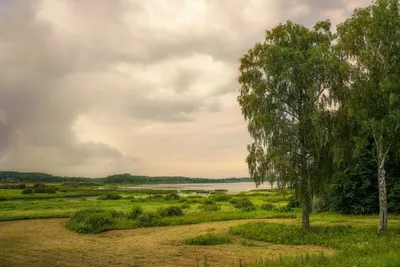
<point>370,42</point>
<point>284,95</point>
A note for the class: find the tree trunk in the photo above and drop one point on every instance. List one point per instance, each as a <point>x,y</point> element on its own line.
<point>383,209</point>
<point>306,204</point>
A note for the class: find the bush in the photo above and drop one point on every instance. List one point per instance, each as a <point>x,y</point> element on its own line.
<point>221,197</point>
<point>2,198</point>
<point>319,204</point>
<point>208,240</point>
<point>394,198</point>
<point>50,190</point>
<point>210,207</point>
<point>267,206</point>
<point>244,204</point>
<point>170,211</point>
<point>293,203</point>
<point>283,209</point>
<point>12,186</point>
<point>185,206</point>
<point>172,196</point>
<point>136,211</point>
<point>110,196</point>
<point>38,185</point>
<point>27,191</point>
<point>93,220</point>
<point>148,219</point>
<point>234,200</point>
<point>208,201</point>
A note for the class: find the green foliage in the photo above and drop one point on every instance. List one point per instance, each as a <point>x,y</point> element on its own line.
<point>12,186</point>
<point>220,197</point>
<point>208,240</point>
<point>293,235</point>
<point>320,204</point>
<point>355,191</point>
<point>283,81</point>
<point>185,206</point>
<point>170,211</point>
<point>27,191</point>
<point>267,206</point>
<point>40,188</point>
<point>173,196</point>
<point>394,198</point>
<point>135,212</point>
<point>147,219</point>
<point>2,198</point>
<point>293,203</point>
<point>208,201</point>
<point>110,196</point>
<point>358,246</point>
<point>210,207</point>
<point>234,200</point>
<point>93,220</point>
<point>244,204</point>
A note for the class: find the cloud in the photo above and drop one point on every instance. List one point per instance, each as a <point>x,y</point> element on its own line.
<point>93,87</point>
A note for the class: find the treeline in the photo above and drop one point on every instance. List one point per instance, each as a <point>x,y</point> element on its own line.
<point>33,177</point>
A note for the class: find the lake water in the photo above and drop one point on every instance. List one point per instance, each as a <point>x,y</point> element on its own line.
<point>231,187</point>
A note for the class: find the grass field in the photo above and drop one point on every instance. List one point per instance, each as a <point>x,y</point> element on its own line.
<point>209,229</point>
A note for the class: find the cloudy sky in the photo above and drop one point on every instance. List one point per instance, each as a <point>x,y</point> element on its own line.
<point>95,87</point>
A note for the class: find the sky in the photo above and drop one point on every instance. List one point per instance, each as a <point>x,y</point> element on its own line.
<point>97,87</point>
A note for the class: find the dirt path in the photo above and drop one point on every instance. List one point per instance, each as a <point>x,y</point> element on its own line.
<point>47,243</point>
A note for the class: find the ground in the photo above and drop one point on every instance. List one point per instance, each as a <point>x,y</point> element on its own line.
<point>47,242</point>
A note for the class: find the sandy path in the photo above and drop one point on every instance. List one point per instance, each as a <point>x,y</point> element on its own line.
<point>48,243</point>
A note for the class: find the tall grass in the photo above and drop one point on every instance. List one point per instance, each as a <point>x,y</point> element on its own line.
<point>356,245</point>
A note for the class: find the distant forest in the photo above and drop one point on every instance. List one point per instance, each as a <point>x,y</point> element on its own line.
<point>34,177</point>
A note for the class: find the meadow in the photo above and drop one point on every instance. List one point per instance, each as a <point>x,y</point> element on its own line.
<point>256,228</point>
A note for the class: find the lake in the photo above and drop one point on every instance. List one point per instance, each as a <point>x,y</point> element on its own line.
<point>231,187</point>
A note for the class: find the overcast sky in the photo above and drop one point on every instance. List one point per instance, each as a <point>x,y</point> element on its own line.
<point>95,87</point>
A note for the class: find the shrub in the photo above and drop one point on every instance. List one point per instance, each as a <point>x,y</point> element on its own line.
<point>283,209</point>
<point>170,211</point>
<point>394,198</point>
<point>319,204</point>
<point>185,206</point>
<point>208,240</point>
<point>208,201</point>
<point>210,207</point>
<point>110,196</point>
<point>93,220</point>
<point>27,191</point>
<point>50,190</point>
<point>244,204</point>
<point>267,206</point>
<point>221,197</point>
<point>293,203</point>
<point>136,211</point>
<point>172,196</point>
<point>38,185</point>
<point>12,186</point>
<point>148,219</point>
<point>2,198</point>
<point>234,200</point>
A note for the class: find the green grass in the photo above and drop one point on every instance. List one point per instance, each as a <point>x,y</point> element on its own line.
<point>208,240</point>
<point>357,245</point>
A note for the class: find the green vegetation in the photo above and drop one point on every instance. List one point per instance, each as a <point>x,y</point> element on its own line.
<point>358,245</point>
<point>93,220</point>
<point>324,111</point>
<point>135,213</point>
<point>110,196</point>
<point>208,240</point>
<point>170,211</point>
